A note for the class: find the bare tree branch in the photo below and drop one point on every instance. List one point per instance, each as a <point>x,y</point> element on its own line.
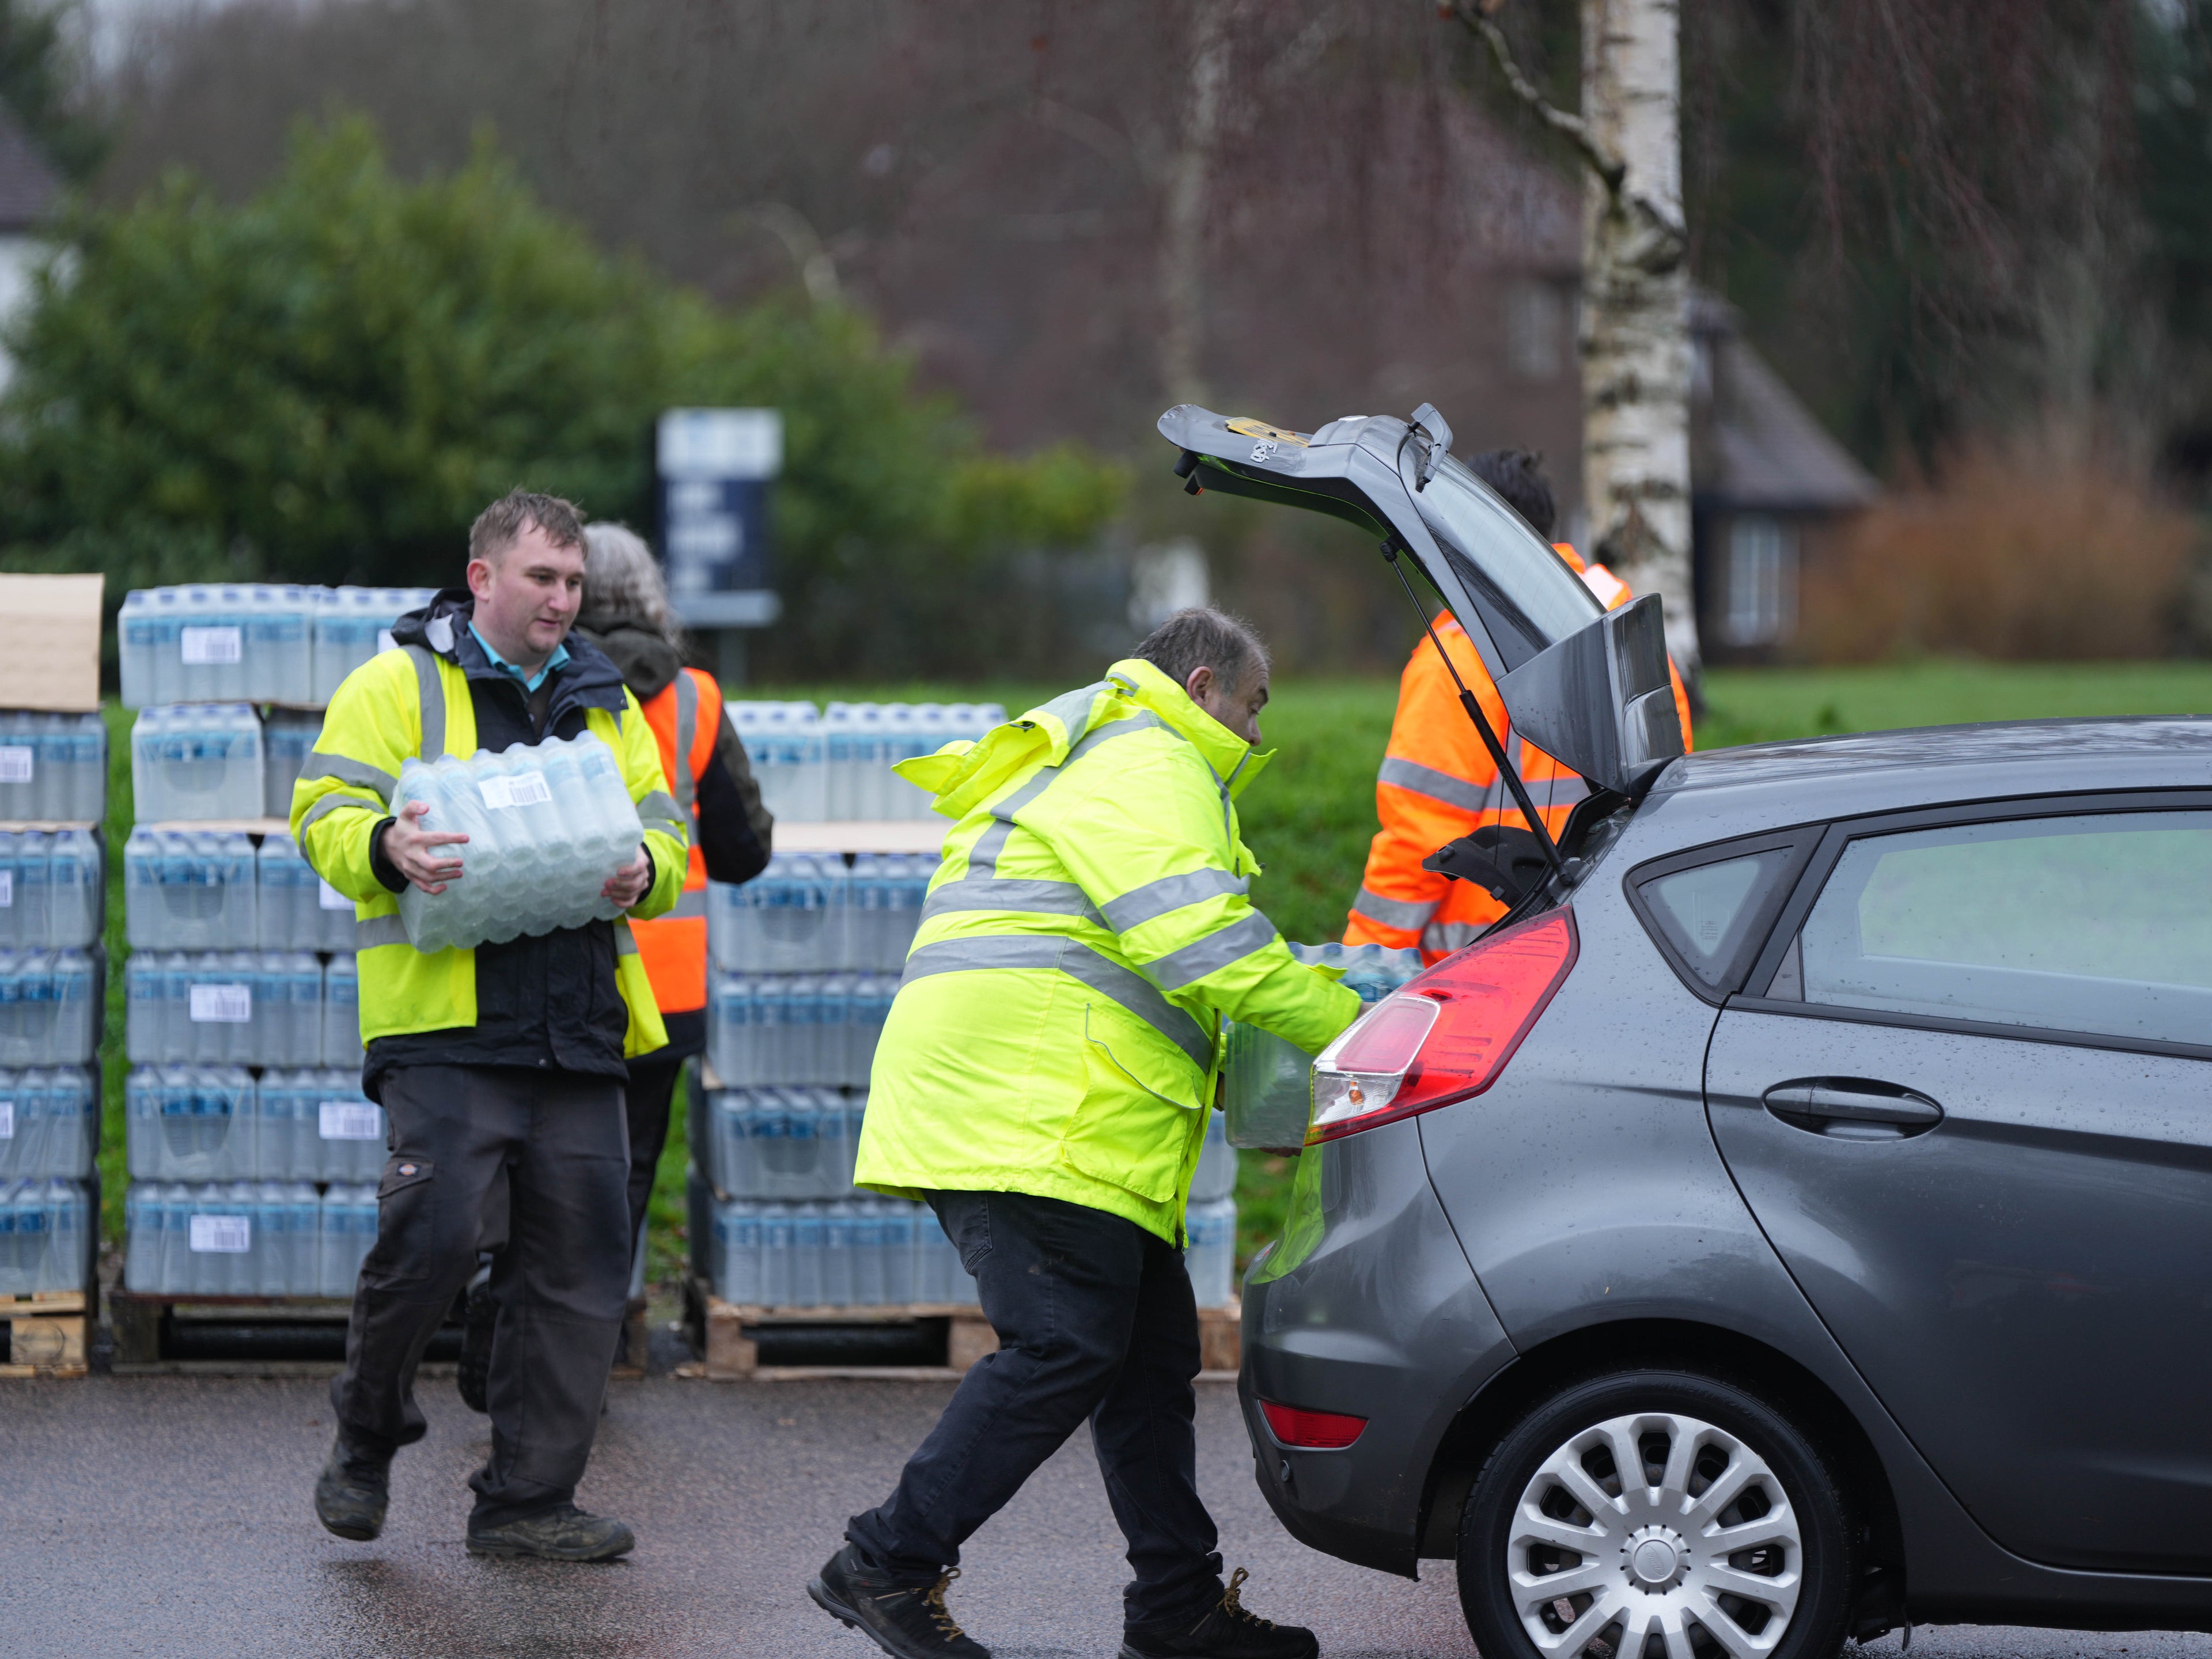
<point>1610,169</point>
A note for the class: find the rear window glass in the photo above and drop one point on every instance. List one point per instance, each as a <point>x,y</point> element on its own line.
<point>1705,914</point>
<point>2096,923</point>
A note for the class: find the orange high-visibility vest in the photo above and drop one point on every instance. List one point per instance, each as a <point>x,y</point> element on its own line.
<point>1436,784</point>
<point>686,718</point>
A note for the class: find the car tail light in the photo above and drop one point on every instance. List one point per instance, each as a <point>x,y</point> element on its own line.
<point>1314,1430</point>
<point>1447,1035</point>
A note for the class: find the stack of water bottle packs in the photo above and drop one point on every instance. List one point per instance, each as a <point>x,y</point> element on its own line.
<point>53,885</point>
<point>814,764</point>
<point>48,1132</point>
<point>248,1238</point>
<point>252,643</point>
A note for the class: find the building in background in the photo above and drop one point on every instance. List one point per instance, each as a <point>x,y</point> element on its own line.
<point>1772,491</point>
<point>29,192</point>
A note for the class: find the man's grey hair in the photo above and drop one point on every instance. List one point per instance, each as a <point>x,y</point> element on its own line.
<point>622,581</point>
<point>500,524</point>
<point>1204,638</point>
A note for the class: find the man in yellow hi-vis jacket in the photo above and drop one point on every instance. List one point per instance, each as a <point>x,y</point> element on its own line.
<point>500,1069</point>
<point>1043,1081</point>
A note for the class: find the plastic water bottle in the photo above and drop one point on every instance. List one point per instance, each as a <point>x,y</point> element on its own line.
<point>349,1127</point>
<point>197,763</point>
<point>288,737</point>
<point>1215,1177</point>
<point>341,1044</point>
<point>1211,1258</point>
<point>776,1253</point>
<point>349,1229</point>
<point>785,745</point>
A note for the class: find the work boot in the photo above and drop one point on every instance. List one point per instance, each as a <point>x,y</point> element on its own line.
<point>565,1534</point>
<point>351,1492</point>
<point>909,1621</point>
<point>1227,1631</point>
<point>477,1320</point>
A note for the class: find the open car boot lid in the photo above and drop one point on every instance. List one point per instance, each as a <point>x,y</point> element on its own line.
<point>1587,686</point>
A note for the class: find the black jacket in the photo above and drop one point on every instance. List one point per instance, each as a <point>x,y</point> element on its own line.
<point>735,831</point>
<point>545,1003</point>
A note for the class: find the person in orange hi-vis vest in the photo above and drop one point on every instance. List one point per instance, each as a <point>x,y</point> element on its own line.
<point>1436,782</point>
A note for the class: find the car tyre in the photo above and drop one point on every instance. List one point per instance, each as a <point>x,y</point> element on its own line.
<point>1743,1549</point>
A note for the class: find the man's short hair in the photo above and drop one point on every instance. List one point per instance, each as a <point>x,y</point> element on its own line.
<point>1518,475</point>
<point>1204,638</point>
<point>499,525</point>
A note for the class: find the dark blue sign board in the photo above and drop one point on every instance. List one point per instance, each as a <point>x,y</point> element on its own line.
<point>713,468</point>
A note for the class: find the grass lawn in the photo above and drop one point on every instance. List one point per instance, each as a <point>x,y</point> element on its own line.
<point>1309,817</point>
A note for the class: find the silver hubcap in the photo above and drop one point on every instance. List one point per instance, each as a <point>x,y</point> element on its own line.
<point>1655,1536</point>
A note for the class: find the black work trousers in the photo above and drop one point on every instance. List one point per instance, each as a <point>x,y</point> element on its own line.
<point>559,1143</point>
<point>1095,1319</point>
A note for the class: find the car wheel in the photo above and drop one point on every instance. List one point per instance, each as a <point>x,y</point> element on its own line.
<point>1655,1514</point>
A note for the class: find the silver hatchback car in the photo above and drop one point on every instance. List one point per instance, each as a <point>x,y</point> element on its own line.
<point>1794,1219</point>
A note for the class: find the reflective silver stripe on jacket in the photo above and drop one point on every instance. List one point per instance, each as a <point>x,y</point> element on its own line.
<point>1157,898</point>
<point>1071,956</point>
<point>1421,780</point>
<point>1216,950</point>
<point>1450,935</point>
<point>688,904</point>
<point>1393,913</point>
<point>379,930</point>
<point>687,731</point>
<point>328,804</point>
<point>360,773</point>
<point>625,941</point>
<point>1053,898</point>
<point>433,694</point>
<point>658,810</point>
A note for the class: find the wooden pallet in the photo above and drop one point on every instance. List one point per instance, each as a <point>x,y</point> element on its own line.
<point>727,1354</point>
<point>46,1334</point>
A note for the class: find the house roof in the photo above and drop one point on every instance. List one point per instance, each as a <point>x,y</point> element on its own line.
<point>1752,443</point>
<point>29,187</point>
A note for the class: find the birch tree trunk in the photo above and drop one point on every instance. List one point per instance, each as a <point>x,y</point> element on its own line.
<point>1636,311</point>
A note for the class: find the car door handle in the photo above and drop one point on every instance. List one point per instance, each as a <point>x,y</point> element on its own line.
<point>1852,1108</point>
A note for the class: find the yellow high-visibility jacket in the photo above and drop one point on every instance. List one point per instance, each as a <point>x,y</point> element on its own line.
<point>1056,1030</point>
<point>414,703</point>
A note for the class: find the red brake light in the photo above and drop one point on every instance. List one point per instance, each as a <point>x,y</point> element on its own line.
<point>1314,1430</point>
<point>1445,1035</point>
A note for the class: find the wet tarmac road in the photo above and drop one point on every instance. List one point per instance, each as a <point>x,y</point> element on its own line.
<point>167,1516</point>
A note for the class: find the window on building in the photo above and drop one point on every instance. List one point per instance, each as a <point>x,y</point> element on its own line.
<point>1762,580</point>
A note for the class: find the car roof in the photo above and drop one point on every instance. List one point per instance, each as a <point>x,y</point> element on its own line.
<point>1808,778</point>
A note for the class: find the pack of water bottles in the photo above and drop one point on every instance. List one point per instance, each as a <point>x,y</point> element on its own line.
<point>232,1008</point>
<point>50,1003</point>
<point>814,913</point>
<point>813,766</point>
<point>54,768</point>
<point>53,887</point>
<point>861,1253</point>
<point>247,1237</point>
<point>547,826</point>
<point>46,1233</point>
<point>221,1123</point>
<point>251,642</point>
<point>49,1123</point>
<point>1210,1255</point>
<point>205,889</point>
<point>197,762</point>
<point>783,1143</point>
<point>773,1031</point>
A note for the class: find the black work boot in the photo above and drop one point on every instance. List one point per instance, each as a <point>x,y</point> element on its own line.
<point>908,1621</point>
<point>351,1492</point>
<point>1226,1632</point>
<point>477,1318</point>
<point>565,1534</point>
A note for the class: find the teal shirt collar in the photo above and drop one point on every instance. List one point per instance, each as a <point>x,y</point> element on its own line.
<point>530,682</point>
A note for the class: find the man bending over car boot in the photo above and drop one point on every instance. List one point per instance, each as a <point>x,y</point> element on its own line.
<point>1043,1081</point>
<point>498,1068</point>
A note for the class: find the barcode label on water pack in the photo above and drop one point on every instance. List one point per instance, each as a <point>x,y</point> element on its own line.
<point>15,763</point>
<point>516,789</point>
<point>385,641</point>
<point>7,889</point>
<point>231,1235</point>
<point>7,1120</point>
<point>223,1005</point>
<point>331,898</point>
<point>351,1119</point>
<point>203,646</point>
